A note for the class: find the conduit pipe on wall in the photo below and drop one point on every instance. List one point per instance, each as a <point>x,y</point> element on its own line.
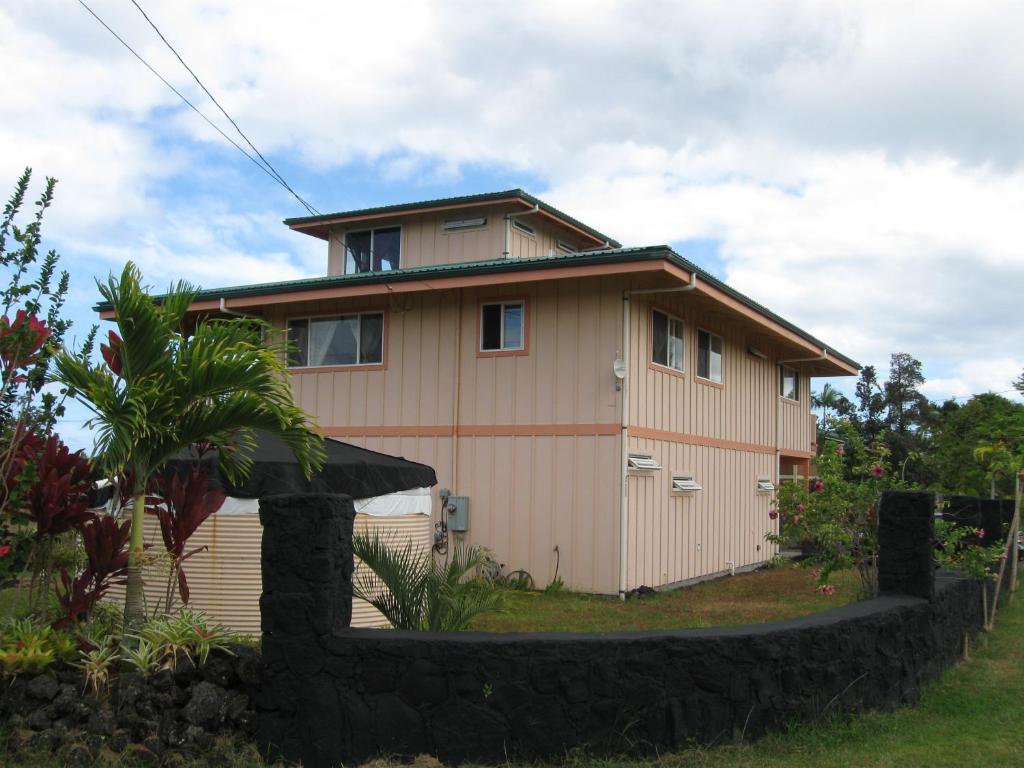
<point>508,228</point>
<point>624,431</point>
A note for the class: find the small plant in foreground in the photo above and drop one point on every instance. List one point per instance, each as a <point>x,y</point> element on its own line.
<point>161,642</point>
<point>27,647</point>
<point>97,664</point>
<point>414,591</point>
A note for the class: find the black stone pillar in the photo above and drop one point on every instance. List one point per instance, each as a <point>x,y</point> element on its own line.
<point>307,595</point>
<point>906,541</point>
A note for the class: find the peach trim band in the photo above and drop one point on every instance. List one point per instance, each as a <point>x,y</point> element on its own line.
<point>709,442</point>
<point>552,430</point>
<point>477,430</point>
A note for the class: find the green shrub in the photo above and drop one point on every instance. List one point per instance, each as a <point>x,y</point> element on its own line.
<point>27,647</point>
<point>414,591</point>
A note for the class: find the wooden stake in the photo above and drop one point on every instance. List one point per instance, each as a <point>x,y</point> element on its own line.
<point>984,605</point>
<point>1016,532</point>
<point>1009,552</point>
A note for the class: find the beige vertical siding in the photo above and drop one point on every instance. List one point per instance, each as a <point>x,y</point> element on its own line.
<point>225,580</point>
<point>797,426</point>
<point>674,536</point>
<point>425,241</point>
<point>532,438</point>
<point>742,410</point>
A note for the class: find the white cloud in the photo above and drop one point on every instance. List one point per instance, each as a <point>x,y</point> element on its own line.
<point>975,376</point>
<point>860,164</point>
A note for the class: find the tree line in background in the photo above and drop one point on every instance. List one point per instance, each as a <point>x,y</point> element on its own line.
<point>972,448</point>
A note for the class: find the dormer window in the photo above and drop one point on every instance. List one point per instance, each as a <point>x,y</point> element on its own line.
<point>373,250</point>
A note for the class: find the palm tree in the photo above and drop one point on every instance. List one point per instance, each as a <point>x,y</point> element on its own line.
<point>162,388</point>
<point>828,400</point>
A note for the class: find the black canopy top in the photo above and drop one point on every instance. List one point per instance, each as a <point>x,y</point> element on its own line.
<point>348,469</point>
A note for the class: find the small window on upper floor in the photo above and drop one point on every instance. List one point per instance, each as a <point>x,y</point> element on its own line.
<point>373,250</point>
<point>709,356</point>
<point>789,383</point>
<point>523,227</point>
<point>503,326</point>
<point>339,340</point>
<point>666,340</point>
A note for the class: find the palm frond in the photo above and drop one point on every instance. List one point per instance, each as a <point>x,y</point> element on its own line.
<point>395,579</point>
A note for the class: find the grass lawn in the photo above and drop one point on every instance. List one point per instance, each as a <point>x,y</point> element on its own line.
<point>749,598</point>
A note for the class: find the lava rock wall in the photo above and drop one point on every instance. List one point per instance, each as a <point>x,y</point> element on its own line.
<point>332,695</point>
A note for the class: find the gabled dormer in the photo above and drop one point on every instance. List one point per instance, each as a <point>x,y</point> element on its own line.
<point>496,225</point>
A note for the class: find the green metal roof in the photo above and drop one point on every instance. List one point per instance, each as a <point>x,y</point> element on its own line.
<point>505,266</point>
<point>447,201</point>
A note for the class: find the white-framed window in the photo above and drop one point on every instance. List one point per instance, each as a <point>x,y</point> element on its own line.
<point>789,383</point>
<point>709,356</point>
<point>666,340</point>
<point>503,326</point>
<point>685,484</point>
<point>643,462</point>
<point>356,339</point>
<point>373,250</point>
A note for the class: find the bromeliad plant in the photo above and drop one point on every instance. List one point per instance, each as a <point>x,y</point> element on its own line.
<point>838,513</point>
<point>414,591</point>
<point>162,642</point>
<point>165,384</point>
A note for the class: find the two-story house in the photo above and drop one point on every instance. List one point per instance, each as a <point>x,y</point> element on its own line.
<point>615,415</point>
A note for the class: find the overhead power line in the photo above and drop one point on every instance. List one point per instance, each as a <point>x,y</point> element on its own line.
<point>194,108</point>
<point>224,112</point>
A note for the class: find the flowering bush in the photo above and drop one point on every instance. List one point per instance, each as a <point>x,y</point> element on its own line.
<point>963,549</point>
<point>837,514</point>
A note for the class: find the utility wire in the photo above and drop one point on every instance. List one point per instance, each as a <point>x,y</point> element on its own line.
<point>178,93</point>
<point>231,120</point>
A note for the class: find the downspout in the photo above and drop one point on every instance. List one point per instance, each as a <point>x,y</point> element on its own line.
<point>457,396</point>
<point>624,449</point>
<point>624,430</point>
<point>508,228</point>
<point>224,309</point>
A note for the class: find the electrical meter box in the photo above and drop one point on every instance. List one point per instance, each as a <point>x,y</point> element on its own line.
<point>458,513</point>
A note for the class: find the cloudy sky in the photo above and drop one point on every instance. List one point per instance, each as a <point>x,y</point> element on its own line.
<point>859,168</point>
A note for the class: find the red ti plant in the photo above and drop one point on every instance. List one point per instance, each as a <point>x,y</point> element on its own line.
<point>45,484</point>
<point>106,549</point>
<point>57,500</point>
<point>186,502</point>
<point>20,342</point>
